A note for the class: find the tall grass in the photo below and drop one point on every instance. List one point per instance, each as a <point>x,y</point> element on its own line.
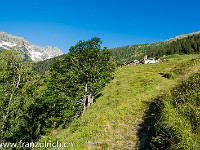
<point>179,127</point>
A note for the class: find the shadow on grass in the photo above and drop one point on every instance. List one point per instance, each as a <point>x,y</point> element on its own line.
<point>147,131</point>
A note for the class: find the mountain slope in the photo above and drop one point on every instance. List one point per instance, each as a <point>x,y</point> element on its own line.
<point>116,119</point>
<point>183,44</point>
<point>25,49</point>
<point>131,52</point>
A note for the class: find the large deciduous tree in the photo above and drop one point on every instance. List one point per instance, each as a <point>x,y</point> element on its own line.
<point>82,73</point>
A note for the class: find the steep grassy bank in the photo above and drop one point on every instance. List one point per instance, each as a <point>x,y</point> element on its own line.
<point>179,126</point>
<point>113,121</point>
<point>164,125</point>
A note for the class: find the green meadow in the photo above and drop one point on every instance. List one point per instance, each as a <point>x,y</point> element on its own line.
<point>137,110</point>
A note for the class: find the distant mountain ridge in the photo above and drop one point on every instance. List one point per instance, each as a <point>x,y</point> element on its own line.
<point>25,49</point>
<point>183,36</point>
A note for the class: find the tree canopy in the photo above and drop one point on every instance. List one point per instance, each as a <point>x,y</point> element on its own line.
<point>32,104</point>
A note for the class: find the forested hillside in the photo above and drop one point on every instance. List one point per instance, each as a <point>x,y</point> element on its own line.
<point>32,104</point>
<point>132,52</point>
<point>184,44</point>
<point>187,45</point>
<point>43,67</point>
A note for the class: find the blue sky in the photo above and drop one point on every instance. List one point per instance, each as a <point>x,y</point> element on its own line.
<point>62,23</point>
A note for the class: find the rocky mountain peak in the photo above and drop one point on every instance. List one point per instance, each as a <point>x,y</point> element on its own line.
<point>24,48</point>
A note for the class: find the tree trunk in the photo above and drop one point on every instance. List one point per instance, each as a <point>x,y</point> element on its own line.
<point>85,99</point>
<point>90,99</point>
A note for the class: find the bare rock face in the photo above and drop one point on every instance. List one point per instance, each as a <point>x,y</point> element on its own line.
<point>24,48</point>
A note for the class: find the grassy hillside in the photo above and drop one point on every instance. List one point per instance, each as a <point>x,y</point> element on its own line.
<point>124,115</point>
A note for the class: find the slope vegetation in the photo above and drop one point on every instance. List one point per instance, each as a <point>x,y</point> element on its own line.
<point>121,117</point>
<point>185,43</point>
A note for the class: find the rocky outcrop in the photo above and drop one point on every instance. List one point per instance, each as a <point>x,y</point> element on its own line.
<point>24,48</point>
